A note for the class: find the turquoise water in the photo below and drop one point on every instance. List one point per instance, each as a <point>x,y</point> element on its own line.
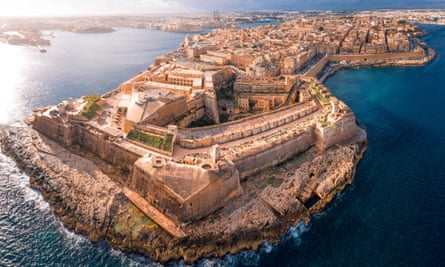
<point>392,215</point>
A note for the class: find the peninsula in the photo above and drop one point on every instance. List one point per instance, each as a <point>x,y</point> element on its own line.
<point>217,146</point>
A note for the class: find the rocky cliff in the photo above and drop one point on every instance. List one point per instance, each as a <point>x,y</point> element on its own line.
<point>87,195</point>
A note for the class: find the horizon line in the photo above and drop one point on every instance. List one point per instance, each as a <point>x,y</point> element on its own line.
<point>172,14</point>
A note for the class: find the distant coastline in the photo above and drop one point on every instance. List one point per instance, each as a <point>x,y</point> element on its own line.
<point>321,151</point>
<point>31,35</point>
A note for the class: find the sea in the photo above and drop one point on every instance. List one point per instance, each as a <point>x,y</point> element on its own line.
<point>392,215</point>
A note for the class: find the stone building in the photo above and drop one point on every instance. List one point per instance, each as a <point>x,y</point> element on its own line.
<point>185,192</point>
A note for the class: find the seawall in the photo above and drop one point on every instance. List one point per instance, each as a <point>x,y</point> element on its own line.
<point>90,202</point>
<point>415,58</point>
<point>88,139</point>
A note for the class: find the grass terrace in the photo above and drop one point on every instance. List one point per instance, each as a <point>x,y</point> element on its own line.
<point>323,98</point>
<point>155,141</point>
<point>90,108</point>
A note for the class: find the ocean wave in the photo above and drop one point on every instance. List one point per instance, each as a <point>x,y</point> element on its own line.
<point>133,260</point>
<point>74,238</point>
<point>266,247</point>
<point>295,233</point>
<point>249,258</point>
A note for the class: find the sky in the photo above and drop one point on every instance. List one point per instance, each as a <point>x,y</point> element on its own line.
<point>102,7</point>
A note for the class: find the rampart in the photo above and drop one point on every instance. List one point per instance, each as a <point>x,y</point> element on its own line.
<point>262,85</point>
<point>231,131</point>
<point>55,129</point>
<point>335,132</point>
<point>318,67</point>
<point>108,150</point>
<point>185,192</point>
<point>167,113</point>
<point>272,150</point>
<point>91,140</point>
<point>417,53</point>
<point>370,59</point>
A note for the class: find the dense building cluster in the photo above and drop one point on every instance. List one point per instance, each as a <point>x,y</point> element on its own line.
<point>288,48</point>
<point>165,125</point>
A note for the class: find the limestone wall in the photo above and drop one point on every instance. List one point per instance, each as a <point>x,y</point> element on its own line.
<point>212,188</point>
<point>90,140</point>
<point>262,84</point>
<point>152,129</point>
<point>226,132</point>
<point>417,53</point>
<point>222,79</point>
<point>55,130</point>
<point>97,143</point>
<point>213,196</point>
<point>273,153</point>
<point>336,132</point>
<point>318,67</point>
<point>213,59</point>
<point>155,193</point>
<point>192,116</point>
<point>168,113</point>
<point>211,107</point>
<point>195,111</point>
<point>369,57</point>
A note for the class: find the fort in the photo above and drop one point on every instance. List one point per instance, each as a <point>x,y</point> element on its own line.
<point>192,132</point>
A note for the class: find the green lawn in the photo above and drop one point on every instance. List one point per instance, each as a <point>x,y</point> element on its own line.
<point>162,143</point>
<point>90,108</point>
<point>319,94</point>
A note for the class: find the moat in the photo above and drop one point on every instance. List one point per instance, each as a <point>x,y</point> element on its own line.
<point>315,94</point>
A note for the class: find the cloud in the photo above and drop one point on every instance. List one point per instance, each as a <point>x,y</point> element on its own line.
<point>65,7</point>
<point>154,4</point>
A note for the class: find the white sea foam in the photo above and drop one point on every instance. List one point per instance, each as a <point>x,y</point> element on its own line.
<point>72,237</point>
<point>133,260</point>
<point>296,232</point>
<point>267,247</point>
<point>31,195</point>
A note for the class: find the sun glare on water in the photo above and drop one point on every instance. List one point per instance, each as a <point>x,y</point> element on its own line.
<point>11,68</point>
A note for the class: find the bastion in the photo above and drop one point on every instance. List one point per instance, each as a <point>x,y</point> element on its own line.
<point>216,146</point>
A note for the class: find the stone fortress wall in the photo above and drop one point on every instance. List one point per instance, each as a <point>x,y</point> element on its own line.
<point>418,55</point>
<point>272,152</point>
<point>318,67</point>
<point>55,129</point>
<point>210,162</point>
<point>212,181</point>
<point>235,130</point>
<point>261,144</point>
<point>91,140</point>
<point>202,188</point>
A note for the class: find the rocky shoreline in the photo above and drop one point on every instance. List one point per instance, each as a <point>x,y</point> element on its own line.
<point>86,193</point>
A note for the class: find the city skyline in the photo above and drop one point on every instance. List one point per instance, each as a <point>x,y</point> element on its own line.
<point>112,7</point>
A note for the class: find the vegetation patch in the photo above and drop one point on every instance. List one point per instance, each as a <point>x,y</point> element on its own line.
<point>324,123</point>
<point>274,181</point>
<point>91,107</point>
<point>168,143</point>
<point>319,94</point>
<point>134,224</point>
<point>155,141</point>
